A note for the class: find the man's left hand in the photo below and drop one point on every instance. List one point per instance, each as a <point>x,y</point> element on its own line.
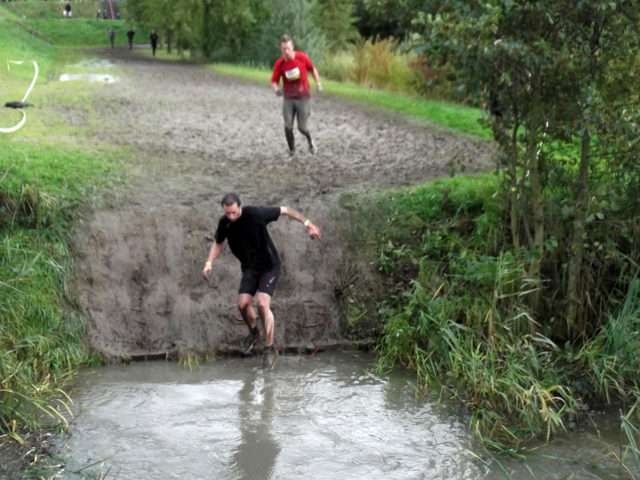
<point>313,231</point>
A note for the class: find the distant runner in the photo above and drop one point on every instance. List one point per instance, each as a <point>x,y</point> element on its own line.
<point>130,34</point>
<point>292,68</point>
<point>153,39</point>
<point>245,228</point>
<point>112,37</point>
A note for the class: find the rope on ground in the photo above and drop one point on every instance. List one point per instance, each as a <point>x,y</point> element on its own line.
<point>22,121</point>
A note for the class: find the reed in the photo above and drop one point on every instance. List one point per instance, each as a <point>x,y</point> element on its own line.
<point>455,307</point>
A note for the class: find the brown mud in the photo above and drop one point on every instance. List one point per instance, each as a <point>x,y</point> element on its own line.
<point>196,135</point>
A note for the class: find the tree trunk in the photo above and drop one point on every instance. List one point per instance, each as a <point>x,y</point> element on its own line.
<point>575,316</point>
<point>206,33</point>
<point>169,37</point>
<point>537,207</point>
<point>514,193</point>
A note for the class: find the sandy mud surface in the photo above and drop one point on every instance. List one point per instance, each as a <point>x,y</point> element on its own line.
<point>196,135</point>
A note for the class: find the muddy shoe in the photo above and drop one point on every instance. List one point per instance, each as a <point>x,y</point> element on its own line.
<point>250,341</point>
<point>269,357</point>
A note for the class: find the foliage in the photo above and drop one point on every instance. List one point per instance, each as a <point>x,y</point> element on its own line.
<point>549,72</point>
<point>335,19</point>
<point>454,305</point>
<point>389,18</point>
<point>294,18</point>
<point>239,30</point>
<point>378,64</point>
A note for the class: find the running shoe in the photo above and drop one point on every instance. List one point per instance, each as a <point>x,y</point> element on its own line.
<point>269,357</point>
<point>250,341</point>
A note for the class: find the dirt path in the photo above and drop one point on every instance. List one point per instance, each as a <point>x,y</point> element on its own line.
<point>197,135</point>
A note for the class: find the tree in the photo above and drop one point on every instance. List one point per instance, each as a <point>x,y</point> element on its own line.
<point>540,68</point>
<point>337,21</point>
<point>389,18</point>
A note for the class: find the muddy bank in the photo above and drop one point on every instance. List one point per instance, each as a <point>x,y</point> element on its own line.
<point>196,135</point>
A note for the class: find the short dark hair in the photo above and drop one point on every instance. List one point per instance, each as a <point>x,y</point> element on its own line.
<point>285,38</point>
<point>229,199</point>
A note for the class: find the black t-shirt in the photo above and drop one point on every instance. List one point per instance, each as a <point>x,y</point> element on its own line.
<point>249,239</point>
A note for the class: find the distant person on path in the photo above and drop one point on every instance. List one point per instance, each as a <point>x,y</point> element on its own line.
<point>112,37</point>
<point>245,228</point>
<point>153,38</point>
<point>130,34</point>
<point>67,10</point>
<point>292,68</point>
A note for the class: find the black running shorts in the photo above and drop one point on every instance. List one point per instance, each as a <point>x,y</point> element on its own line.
<point>253,281</point>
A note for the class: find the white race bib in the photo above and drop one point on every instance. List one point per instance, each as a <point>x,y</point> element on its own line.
<point>292,74</point>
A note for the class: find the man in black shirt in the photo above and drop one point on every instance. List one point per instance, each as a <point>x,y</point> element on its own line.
<point>245,228</point>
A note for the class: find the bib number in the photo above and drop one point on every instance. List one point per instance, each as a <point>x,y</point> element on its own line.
<point>292,74</point>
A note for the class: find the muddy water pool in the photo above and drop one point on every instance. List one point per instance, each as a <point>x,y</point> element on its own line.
<point>322,417</point>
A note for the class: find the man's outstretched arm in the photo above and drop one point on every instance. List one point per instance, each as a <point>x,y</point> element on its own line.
<point>312,230</point>
<point>214,252</point>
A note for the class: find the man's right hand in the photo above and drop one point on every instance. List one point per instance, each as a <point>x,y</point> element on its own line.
<point>278,92</point>
<point>207,270</point>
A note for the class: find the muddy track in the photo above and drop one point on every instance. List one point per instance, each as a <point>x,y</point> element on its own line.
<point>196,135</point>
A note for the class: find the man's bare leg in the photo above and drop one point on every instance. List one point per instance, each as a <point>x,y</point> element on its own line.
<point>264,308</point>
<point>245,305</point>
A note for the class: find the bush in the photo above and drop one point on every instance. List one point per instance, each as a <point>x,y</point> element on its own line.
<point>456,307</point>
<point>338,66</point>
<point>379,64</point>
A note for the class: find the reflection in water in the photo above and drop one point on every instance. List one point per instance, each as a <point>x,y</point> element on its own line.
<point>255,456</point>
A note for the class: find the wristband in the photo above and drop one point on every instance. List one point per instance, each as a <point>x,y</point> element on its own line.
<point>208,263</point>
<point>307,222</point>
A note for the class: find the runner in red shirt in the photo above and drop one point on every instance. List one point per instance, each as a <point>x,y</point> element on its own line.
<point>292,68</point>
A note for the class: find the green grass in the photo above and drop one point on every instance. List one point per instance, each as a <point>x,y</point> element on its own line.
<point>444,114</point>
<point>52,9</point>
<point>40,336</point>
<point>83,32</point>
<point>48,169</point>
<point>42,19</point>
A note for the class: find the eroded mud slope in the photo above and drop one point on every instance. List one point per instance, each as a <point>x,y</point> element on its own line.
<point>196,135</point>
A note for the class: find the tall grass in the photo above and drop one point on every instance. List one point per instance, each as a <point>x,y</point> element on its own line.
<point>454,307</point>
<point>379,64</point>
<point>40,335</point>
<point>43,181</point>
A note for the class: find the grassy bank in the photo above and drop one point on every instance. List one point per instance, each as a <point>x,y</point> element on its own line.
<point>44,20</point>
<point>453,305</point>
<point>48,170</point>
<point>451,116</point>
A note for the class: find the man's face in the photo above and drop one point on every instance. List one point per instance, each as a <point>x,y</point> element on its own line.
<point>232,212</point>
<point>287,50</point>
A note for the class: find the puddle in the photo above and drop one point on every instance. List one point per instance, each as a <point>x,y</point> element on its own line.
<point>94,63</point>
<point>322,417</point>
<point>89,77</point>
